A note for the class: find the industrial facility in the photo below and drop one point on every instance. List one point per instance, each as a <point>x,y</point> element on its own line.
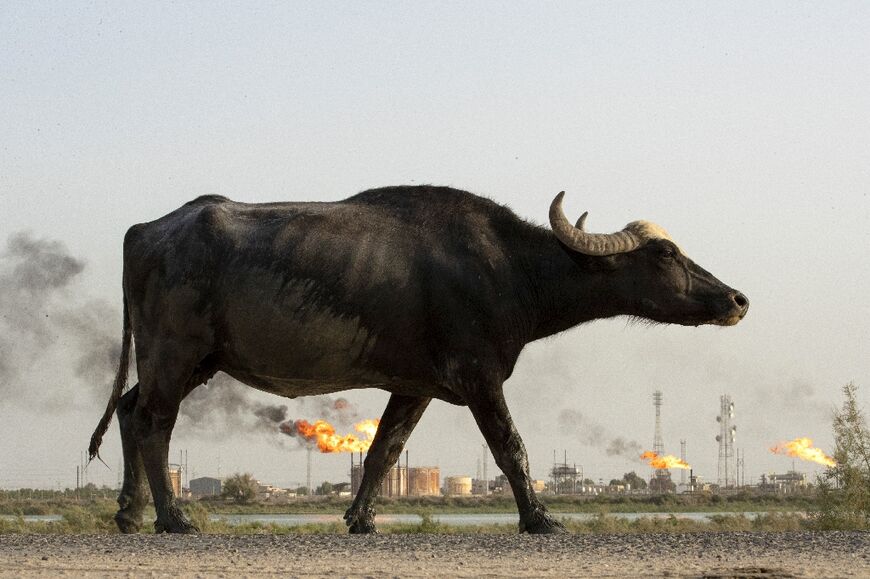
<point>401,480</point>
<point>565,477</point>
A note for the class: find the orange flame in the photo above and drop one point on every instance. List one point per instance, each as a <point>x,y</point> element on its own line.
<point>803,449</point>
<point>662,462</point>
<point>323,434</point>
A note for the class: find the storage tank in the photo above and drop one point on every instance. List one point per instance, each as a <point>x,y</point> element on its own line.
<point>421,481</point>
<point>425,481</point>
<point>458,486</point>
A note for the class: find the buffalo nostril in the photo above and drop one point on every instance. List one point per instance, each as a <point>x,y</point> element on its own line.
<point>740,300</point>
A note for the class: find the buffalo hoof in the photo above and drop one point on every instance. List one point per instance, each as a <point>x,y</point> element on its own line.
<point>360,521</point>
<point>174,522</point>
<point>128,524</point>
<point>543,524</point>
<point>360,527</point>
<point>130,514</point>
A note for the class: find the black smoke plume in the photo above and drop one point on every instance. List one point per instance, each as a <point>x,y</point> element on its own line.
<point>48,328</point>
<point>224,407</point>
<point>60,346</point>
<point>590,432</point>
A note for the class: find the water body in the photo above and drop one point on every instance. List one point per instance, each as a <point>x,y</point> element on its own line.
<point>34,518</point>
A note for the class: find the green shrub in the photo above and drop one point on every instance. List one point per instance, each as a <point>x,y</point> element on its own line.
<point>16,525</point>
<point>78,520</point>
<point>844,489</point>
<point>198,515</point>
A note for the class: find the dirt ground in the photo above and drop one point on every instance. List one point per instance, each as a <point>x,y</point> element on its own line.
<point>831,554</point>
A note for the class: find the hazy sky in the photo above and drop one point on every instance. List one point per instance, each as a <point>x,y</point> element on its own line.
<point>743,128</point>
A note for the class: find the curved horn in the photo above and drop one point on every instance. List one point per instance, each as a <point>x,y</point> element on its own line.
<point>588,243</point>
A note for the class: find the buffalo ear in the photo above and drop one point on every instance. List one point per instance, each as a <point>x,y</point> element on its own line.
<point>596,262</point>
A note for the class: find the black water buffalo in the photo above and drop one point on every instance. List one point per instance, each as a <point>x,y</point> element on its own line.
<point>425,292</point>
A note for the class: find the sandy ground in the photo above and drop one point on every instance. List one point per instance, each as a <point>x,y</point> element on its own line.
<point>832,554</point>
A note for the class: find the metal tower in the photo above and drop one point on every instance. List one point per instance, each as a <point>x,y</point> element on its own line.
<point>725,438</point>
<point>658,443</point>
<point>660,481</point>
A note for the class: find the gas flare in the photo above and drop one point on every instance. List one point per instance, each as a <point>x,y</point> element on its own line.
<point>803,449</point>
<point>662,462</point>
<point>323,434</point>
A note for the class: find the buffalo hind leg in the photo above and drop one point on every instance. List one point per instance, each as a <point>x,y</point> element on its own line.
<point>399,419</point>
<point>494,420</point>
<point>154,418</point>
<point>155,432</point>
<point>134,492</point>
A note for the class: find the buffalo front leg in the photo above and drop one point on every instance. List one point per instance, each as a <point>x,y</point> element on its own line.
<point>134,492</point>
<point>399,419</point>
<point>494,420</point>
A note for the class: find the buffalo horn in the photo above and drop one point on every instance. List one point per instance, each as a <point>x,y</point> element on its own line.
<point>588,243</point>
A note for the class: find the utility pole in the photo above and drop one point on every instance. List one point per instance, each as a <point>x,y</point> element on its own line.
<point>308,472</point>
<point>683,458</point>
<point>485,479</point>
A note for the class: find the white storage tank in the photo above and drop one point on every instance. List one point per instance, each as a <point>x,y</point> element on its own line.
<point>458,486</point>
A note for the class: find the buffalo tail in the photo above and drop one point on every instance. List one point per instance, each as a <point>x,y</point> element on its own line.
<point>117,388</point>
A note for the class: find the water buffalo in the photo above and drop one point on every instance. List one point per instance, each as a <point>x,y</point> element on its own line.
<point>425,292</point>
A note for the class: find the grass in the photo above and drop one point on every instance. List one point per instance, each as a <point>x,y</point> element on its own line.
<point>97,518</point>
<point>740,502</point>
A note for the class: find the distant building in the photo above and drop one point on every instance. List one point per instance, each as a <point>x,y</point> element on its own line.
<point>790,482</point>
<point>457,486</point>
<point>565,478</point>
<point>480,487</point>
<point>175,481</point>
<point>501,485</point>
<point>269,493</point>
<point>205,486</point>
<point>341,489</point>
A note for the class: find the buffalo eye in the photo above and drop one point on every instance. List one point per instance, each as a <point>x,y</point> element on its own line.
<point>668,253</point>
